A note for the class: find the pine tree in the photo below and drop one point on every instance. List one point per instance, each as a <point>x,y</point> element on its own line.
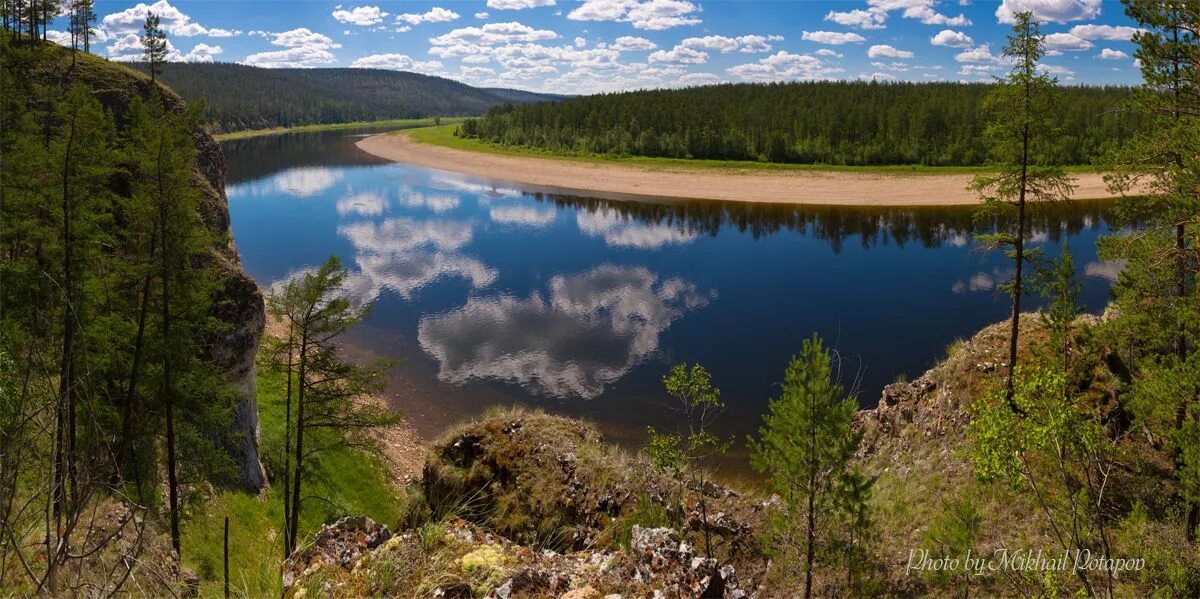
<point>805,448</point>
<point>81,18</point>
<point>154,45</point>
<point>1023,139</point>
<point>1160,168</point>
<point>168,240</point>
<point>327,387</point>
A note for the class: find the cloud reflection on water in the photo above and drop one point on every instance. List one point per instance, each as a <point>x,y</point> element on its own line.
<point>587,332</point>
<point>619,230</point>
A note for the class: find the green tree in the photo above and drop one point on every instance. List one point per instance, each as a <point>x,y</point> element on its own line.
<point>81,19</point>
<point>1023,139</point>
<point>165,230</point>
<point>1159,167</point>
<point>1051,444</point>
<point>328,389</point>
<point>1057,283</point>
<point>154,45</point>
<point>805,448</point>
<point>682,452</point>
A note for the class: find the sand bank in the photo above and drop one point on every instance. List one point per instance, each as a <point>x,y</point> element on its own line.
<point>778,187</point>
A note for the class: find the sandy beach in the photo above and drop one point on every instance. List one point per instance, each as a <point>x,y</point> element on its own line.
<point>791,187</point>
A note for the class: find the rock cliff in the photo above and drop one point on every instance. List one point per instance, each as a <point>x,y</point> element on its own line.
<point>239,303</point>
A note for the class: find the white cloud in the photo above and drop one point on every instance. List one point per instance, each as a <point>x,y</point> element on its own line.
<point>680,55</point>
<point>1054,11</point>
<point>1110,54</point>
<point>172,20</point>
<point>720,43</point>
<point>128,48</point>
<point>299,57</point>
<point>952,39</point>
<point>518,4</point>
<point>885,51</point>
<point>921,10</point>
<point>832,38</point>
<point>698,79</point>
<point>360,15</point>
<point>1067,42</point>
<point>784,66</point>
<point>628,43</point>
<point>580,42</point>
<point>892,66</point>
<point>652,15</point>
<point>202,53</point>
<point>478,73</point>
<point>979,54</point>
<point>492,34</point>
<point>1104,32</point>
<point>1057,70</point>
<point>978,70</point>
<point>828,52</point>
<point>861,19</point>
<point>395,62</point>
<point>305,48</point>
<point>436,14</point>
<point>61,38</point>
<point>303,38</point>
<point>481,15</point>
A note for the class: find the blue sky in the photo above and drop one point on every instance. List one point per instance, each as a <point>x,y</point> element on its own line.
<point>572,46</point>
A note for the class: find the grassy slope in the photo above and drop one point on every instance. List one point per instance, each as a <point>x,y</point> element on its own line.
<point>444,136</point>
<point>348,481</point>
<point>399,123</point>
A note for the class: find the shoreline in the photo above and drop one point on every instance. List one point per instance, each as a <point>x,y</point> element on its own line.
<point>407,123</point>
<point>774,187</point>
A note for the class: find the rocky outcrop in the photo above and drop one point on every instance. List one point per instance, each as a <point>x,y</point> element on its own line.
<point>239,303</point>
<point>509,471</point>
<point>358,557</point>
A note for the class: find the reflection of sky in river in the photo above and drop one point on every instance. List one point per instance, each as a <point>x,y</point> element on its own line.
<point>565,299</point>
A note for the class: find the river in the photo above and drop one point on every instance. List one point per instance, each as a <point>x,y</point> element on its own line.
<point>497,294</point>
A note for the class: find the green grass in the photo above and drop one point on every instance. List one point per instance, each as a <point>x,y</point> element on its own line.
<point>444,136</point>
<point>335,126</point>
<point>348,481</point>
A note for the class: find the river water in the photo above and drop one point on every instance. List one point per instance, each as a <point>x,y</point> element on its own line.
<point>496,293</point>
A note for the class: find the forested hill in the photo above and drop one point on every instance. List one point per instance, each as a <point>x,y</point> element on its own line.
<point>850,123</point>
<point>242,97</point>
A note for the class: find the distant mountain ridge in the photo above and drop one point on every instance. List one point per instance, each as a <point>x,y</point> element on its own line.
<point>241,97</point>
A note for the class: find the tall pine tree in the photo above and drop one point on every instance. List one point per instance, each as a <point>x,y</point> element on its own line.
<point>1022,136</point>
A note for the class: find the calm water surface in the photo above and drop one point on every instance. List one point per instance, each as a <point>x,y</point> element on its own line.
<point>496,293</point>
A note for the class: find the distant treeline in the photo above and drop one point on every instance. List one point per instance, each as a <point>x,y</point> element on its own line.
<point>843,123</point>
<point>240,97</point>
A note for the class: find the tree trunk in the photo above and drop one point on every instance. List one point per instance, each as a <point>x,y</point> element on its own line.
<point>131,390</point>
<point>287,447</point>
<point>64,411</point>
<point>168,359</point>
<point>299,470</point>
<point>1020,241</point>
<point>811,516</point>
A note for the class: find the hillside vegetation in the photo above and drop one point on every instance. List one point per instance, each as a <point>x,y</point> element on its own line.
<point>239,97</point>
<point>825,122</point>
